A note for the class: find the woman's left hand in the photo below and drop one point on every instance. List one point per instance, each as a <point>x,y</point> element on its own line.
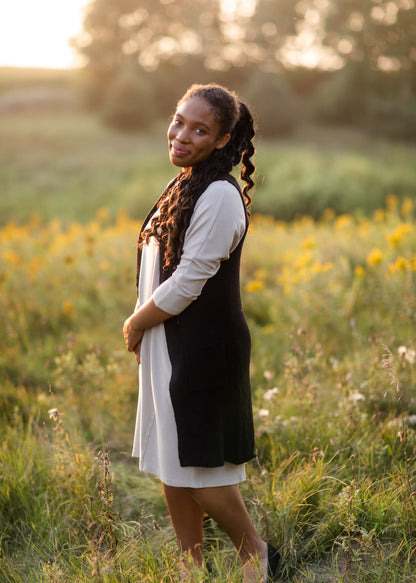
<point>132,336</point>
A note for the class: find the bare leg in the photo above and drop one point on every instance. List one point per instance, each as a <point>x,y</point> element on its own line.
<point>187,518</point>
<point>226,506</point>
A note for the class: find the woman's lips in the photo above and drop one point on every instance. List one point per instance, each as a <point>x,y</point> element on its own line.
<point>178,151</point>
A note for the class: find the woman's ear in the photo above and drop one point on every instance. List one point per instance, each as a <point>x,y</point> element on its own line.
<point>223,141</point>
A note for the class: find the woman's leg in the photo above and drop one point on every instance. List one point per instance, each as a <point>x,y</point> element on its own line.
<point>226,506</point>
<point>187,518</point>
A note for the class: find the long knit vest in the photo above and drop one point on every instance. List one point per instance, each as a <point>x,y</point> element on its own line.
<point>209,350</point>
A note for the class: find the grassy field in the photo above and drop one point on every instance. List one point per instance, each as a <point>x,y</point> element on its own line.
<point>331,307</point>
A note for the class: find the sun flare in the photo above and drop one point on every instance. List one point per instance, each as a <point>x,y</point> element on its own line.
<point>36,34</point>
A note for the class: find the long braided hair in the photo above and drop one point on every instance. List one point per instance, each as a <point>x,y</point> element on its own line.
<point>177,202</point>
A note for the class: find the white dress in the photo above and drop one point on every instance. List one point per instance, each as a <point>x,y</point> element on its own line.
<point>216,227</point>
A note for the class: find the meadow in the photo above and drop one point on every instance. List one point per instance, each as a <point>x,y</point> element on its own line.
<point>331,306</point>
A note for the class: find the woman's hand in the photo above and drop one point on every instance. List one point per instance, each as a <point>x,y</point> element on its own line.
<point>132,335</point>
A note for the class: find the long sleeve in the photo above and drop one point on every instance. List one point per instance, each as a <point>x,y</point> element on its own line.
<point>215,229</point>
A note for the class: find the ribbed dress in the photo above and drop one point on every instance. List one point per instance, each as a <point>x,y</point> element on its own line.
<point>217,225</point>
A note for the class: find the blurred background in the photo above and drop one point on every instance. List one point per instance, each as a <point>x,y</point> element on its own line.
<point>323,76</point>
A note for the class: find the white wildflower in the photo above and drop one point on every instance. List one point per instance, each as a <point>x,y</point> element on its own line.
<point>402,350</point>
<point>356,397</point>
<point>53,414</point>
<point>267,375</point>
<point>270,393</point>
<point>264,413</point>
<point>410,356</point>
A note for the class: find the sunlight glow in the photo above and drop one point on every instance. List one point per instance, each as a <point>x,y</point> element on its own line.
<point>36,33</point>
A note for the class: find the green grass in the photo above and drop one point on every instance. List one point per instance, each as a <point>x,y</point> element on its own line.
<point>331,309</point>
<point>67,165</point>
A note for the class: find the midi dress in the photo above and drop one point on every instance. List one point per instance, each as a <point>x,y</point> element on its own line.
<point>216,227</point>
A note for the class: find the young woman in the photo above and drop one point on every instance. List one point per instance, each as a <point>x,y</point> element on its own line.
<point>194,427</point>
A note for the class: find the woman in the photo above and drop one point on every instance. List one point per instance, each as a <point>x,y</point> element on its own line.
<point>194,427</point>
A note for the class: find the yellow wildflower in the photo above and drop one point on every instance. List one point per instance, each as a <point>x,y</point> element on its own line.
<point>68,308</point>
<point>402,264</point>
<point>391,202</point>
<point>343,221</point>
<point>379,215</point>
<point>12,257</point>
<point>34,265</point>
<point>308,243</point>
<point>359,271</point>
<point>104,265</point>
<point>396,237</point>
<point>375,256</point>
<point>406,208</point>
<point>255,286</point>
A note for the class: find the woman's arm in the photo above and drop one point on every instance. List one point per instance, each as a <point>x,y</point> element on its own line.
<point>147,316</point>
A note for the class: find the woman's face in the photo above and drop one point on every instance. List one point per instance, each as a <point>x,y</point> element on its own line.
<point>194,133</point>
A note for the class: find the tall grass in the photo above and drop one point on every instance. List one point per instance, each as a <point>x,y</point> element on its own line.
<point>331,308</point>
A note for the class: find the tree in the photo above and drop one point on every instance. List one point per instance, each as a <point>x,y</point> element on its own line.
<point>144,32</point>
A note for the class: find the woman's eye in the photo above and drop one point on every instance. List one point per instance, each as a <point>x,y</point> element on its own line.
<point>200,131</point>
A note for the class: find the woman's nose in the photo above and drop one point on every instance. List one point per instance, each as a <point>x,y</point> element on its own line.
<point>182,134</point>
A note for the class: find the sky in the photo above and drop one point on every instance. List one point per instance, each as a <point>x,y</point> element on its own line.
<point>35,33</point>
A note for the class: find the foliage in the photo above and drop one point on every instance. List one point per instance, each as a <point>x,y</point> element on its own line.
<point>129,103</point>
<point>366,48</point>
<point>274,104</point>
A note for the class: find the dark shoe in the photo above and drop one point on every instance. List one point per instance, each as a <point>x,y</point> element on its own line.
<point>273,562</point>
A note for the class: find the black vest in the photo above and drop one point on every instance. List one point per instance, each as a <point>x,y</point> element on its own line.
<point>209,349</point>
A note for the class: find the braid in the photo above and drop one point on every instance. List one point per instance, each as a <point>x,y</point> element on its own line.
<point>177,202</point>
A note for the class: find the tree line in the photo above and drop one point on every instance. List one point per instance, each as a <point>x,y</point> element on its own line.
<point>335,61</point>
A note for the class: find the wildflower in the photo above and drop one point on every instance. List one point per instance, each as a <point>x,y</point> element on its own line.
<point>396,237</point>
<point>34,265</point>
<point>264,413</point>
<point>375,256</point>
<point>379,215</point>
<point>391,202</point>
<point>308,243</point>
<point>53,414</point>
<point>12,257</point>
<point>104,265</point>
<point>268,395</point>
<point>407,353</point>
<point>343,221</point>
<point>357,397</point>
<point>254,286</point>
<point>406,208</point>
<point>402,350</point>
<point>267,375</point>
<point>68,308</point>
<point>359,271</point>
<point>402,264</point>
